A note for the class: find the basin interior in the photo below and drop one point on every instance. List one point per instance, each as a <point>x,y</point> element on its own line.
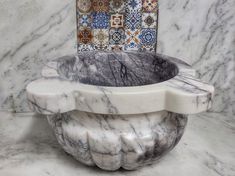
<point>116,69</point>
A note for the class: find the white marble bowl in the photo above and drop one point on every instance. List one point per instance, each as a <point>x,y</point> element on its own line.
<point>118,109</point>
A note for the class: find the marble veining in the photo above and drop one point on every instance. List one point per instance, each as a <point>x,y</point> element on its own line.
<point>202,34</point>
<point>111,142</point>
<point>204,40</point>
<point>31,33</point>
<point>118,109</point>
<point>194,96</point>
<point>29,147</point>
<point>117,69</point>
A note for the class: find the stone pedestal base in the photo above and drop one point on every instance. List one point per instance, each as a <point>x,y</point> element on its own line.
<point>114,141</point>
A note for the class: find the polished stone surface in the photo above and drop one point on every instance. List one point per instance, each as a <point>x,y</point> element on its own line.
<point>112,142</point>
<point>69,83</point>
<point>202,34</point>
<point>32,32</point>
<point>28,147</point>
<point>115,69</point>
<point>204,39</point>
<point>110,109</point>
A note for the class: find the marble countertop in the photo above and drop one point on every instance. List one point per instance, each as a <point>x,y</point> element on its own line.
<point>28,147</point>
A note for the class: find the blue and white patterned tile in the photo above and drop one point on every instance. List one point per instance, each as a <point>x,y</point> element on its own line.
<point>132,41</point>
<point>133,5</point>
<point>84,20</point>
<point>100,20</point>
<point>116,36</point>
<point>148,39</point>
<point>133,20</point>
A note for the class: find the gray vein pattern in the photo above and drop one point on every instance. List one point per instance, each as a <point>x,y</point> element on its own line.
<point>116,69</point>
<point>28,147</point>
<point>149,73</point>
<point>114,141</point>
<point>202,34</point>
<point>32,33</point>
<point>198,31</point>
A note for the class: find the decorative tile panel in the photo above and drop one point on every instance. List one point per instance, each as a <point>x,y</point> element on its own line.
<point>117,25</point>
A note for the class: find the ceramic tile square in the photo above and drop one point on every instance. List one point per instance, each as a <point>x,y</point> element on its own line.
<point>133,5</point>
<point>116,47</point>
<point>147,48</point>
<point>133,20</point>
<point>117,6</point>
<point>117,20</point>
<point>149,20</point>
<point>84,6</point>
<point>85,36</point>
<point>100,5</point>
<point>148,37</point>
<point>85,47</point>
<point>101,39</point>
<point>116,36</point>
<point>150,5</point>
<point>84,20</point>
<point>100,20</point>
<point>132,41</point>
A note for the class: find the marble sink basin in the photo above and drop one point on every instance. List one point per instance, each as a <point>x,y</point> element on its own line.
<point>118,109</point>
